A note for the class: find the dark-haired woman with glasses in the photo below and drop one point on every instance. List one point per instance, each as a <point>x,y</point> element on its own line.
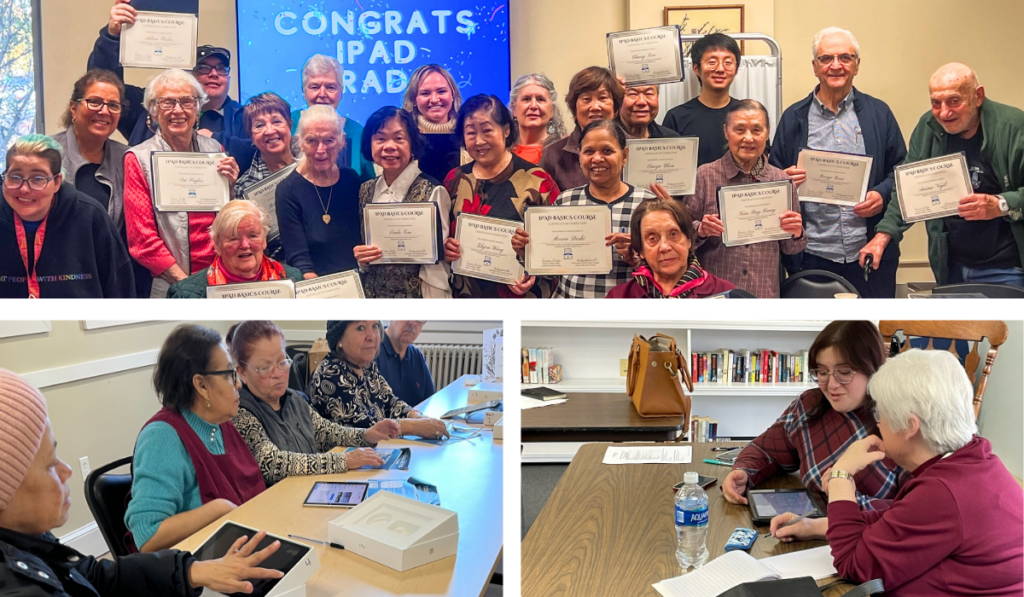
<point>285,435</point>
<point>816,429</point>
<point>83,256</point>
<point>172,245</point>
<point>191,466</point>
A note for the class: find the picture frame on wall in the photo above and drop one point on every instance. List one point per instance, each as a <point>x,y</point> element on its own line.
<point>704,19</point>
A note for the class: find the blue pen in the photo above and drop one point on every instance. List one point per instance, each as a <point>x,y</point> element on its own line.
<point>718,462</point>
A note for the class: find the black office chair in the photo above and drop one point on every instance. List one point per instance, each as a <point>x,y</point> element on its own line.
<point>293,349</point>
<point>815,283</point>
<point>739,293</point>
<point>107,496</point>
<point>992,291</point>
<point>298,377</point>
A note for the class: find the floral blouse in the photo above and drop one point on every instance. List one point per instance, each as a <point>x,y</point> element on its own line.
<point>340,395</point>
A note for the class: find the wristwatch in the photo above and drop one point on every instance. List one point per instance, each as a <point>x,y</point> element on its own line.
<point>1004,207</point>
<point>841,475</point>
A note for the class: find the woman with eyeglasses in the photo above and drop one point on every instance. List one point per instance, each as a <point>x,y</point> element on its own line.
<point>172,245</point>
<point>83,256</point>
<point>813,432</point>
<point>190,466</point>
<point>285,435</point>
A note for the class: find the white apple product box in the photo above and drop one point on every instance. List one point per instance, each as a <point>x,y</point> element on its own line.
<point>396,531</point>
<point>492,416</point>
<point>485,392</point>
<point>302,559</point>
<point>499,429</point>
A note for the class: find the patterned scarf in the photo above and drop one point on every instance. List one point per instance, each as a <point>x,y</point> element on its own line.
<point>693,277</point>
<point>217,275</point>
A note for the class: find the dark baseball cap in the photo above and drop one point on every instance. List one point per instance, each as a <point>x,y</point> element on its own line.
<point>207,51</point>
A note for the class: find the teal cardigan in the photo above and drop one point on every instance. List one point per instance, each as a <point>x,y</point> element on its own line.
<point>163,477</point>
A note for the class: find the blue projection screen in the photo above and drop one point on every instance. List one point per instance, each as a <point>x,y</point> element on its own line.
<point>379,42</point>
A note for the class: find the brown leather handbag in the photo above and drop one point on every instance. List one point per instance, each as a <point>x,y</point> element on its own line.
<point>652,379</point>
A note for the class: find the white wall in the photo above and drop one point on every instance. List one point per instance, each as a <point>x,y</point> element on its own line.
<point>1002,410</point>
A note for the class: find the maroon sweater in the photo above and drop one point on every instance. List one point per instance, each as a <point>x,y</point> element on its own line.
<point>955,529</point>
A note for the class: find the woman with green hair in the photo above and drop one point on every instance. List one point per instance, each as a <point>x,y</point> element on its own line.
<point>55,241</point>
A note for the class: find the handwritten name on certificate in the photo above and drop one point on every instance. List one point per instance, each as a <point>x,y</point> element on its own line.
<point>487,252</point>
<point>160,40</point>
<point>568,240</point>
<point>646,56</point>
<point>752,213</point>
<point>834,178</point>
<point>343,285</point>
<point>672,163</point>
<point>932,189</point>
<point>273,289</point>
<point>404,232</point>
<point>189,182</point>
<point>264,194</point>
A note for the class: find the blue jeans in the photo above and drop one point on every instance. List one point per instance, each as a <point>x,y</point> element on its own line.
<point>1007,276</point>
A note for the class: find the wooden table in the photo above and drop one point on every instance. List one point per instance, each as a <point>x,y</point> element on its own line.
<point>596,418</point>
<point>468,475</point>
<point>608,529</point>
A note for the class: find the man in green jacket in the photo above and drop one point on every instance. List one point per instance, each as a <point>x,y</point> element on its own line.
<point>984,243</point>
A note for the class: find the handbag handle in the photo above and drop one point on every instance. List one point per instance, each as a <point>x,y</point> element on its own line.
<point>684,371</point>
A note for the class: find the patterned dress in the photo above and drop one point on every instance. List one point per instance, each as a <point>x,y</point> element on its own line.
<point>505,196</point>
<point>340,395</point>
<point>276,464</point>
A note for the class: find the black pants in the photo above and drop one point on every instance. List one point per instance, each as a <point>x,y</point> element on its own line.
<point>881,283</point>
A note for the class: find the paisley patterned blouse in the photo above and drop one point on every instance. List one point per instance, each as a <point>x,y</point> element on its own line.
<point>340,395</point>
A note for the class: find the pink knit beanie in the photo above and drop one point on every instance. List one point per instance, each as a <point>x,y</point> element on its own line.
<point>22,423</point>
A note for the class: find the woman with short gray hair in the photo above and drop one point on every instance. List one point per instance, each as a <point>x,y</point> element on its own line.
<point>172,245</point>
<point>239,234</point>
<point>957,527</point>
<point>534,104</point>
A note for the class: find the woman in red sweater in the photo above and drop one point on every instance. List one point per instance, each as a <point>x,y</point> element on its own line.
<point>957,527</point>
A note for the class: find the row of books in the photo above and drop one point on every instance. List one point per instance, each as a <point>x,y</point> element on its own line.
<point>749,366</point>
<point>703,429</point>
<point>538,365</point>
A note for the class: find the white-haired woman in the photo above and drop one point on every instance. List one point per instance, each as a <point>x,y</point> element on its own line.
<point>322,78</point>
<point>239,235</point>
<point>172,245</point>
<point>318,204</point>
<point>433,99</point>
<point>533,104</point>
<point>957,527</point>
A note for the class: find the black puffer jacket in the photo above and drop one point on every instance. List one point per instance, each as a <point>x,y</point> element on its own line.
<point>39,566</point>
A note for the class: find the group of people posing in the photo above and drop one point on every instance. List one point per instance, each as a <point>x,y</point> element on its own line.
<point>79,217</point>
<point>915,497</point>
<point>229,427</point>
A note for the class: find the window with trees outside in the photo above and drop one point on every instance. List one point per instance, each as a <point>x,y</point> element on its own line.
<point>18,90</point>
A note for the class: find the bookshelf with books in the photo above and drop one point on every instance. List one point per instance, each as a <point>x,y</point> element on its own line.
<point>745,400</point>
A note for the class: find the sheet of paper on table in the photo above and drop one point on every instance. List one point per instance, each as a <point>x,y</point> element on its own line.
<point>526,403</point>
<point>648,455</point>
<point>738,567</point>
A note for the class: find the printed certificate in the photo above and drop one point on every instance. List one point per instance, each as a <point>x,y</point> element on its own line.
<point>274,289</point>
<point>834,178</point>
<point>646,56</point>
<point>404,232</point>
<point>568,240</point>
<point>343,285</point>
<point>264,194</point>
<point>487,251</point>
<point>751,212</point>
<point>160,40</point>
<point>189,182</point>
<point>672,163</point>
<point>932,189</point>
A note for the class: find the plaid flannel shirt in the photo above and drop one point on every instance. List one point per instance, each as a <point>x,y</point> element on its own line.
<point>754,268</point>
<point>596,286</point>
<point>792,444</point>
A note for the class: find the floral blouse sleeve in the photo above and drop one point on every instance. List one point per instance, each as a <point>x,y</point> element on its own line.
<point>331,435</point>
<point>276,464</point>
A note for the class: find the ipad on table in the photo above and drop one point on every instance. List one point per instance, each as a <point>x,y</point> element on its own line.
<point>766,504</point>
<point>347,494</point>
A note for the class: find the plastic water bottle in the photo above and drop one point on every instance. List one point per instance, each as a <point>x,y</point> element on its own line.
<point>691,523</point>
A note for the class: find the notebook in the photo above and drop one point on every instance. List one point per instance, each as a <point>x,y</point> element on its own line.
<point>543,393</point>
<point>738,567</point>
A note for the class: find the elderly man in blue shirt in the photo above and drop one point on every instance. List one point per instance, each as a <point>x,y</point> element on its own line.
<point>403,365</point>
<point>837,117</point>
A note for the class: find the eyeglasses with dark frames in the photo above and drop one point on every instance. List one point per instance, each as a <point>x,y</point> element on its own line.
<point>96,104</point>
<point>36,183</point>
<point>228,372</point>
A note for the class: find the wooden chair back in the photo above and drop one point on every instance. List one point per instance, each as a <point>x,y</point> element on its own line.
<point>971,331</point>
